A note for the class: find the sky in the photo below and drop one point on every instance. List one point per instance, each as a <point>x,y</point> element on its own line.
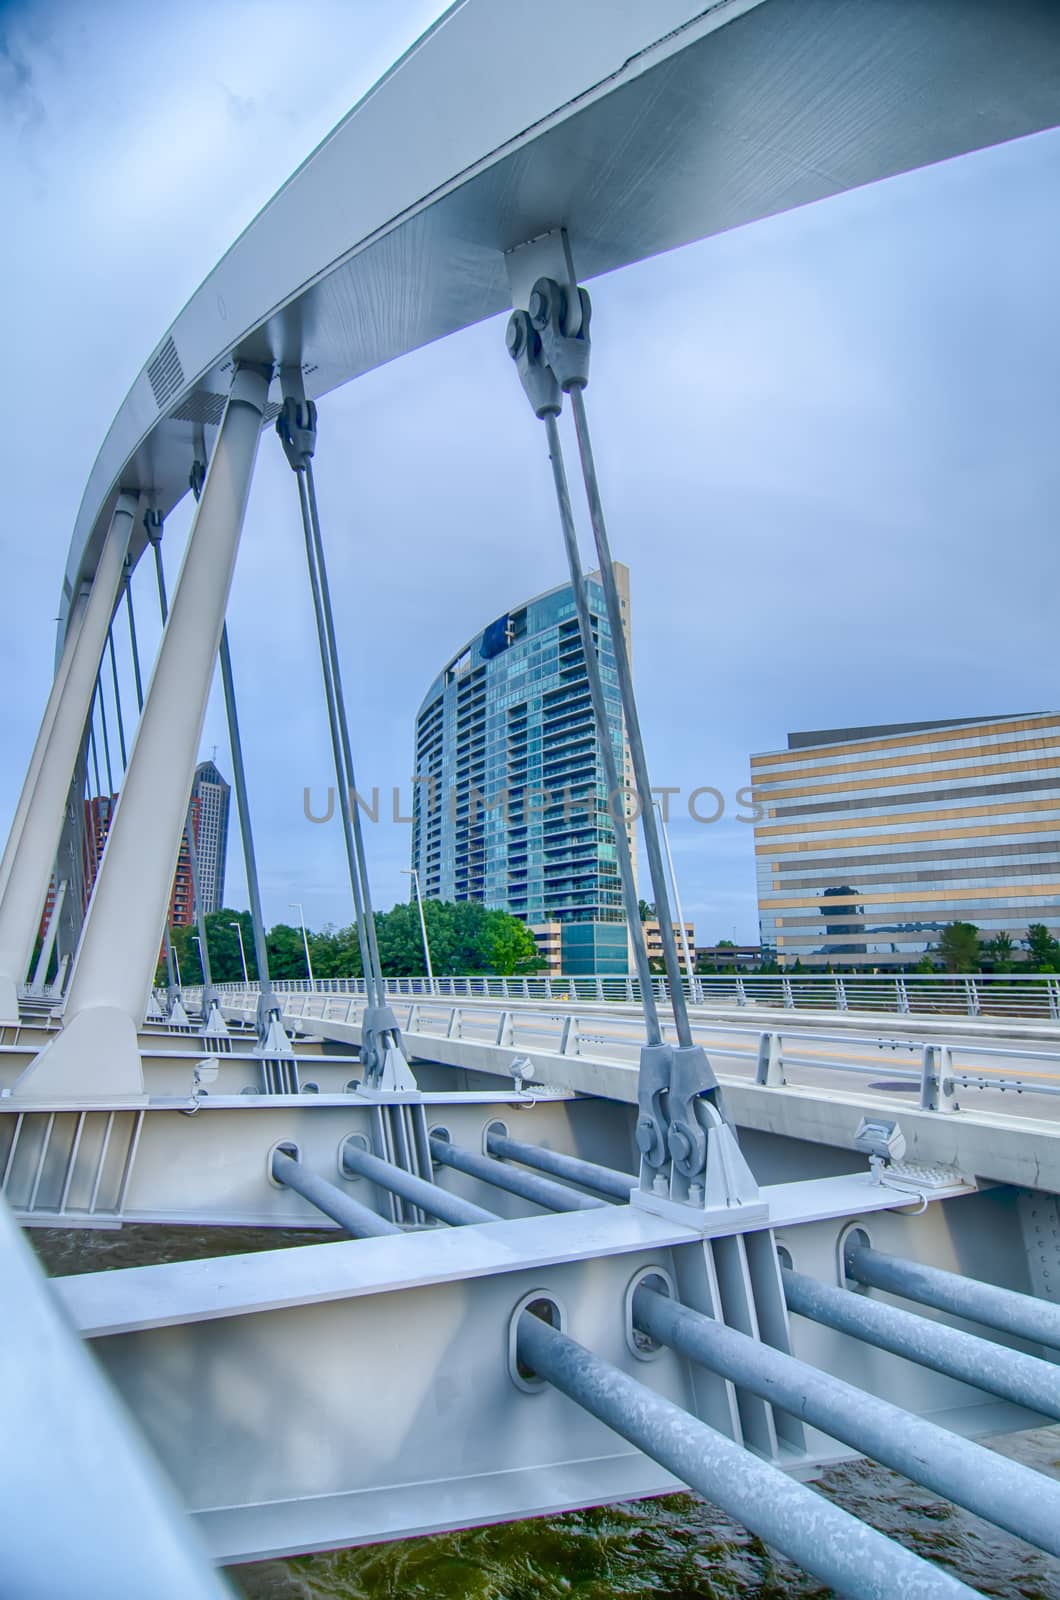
<point>829,443</point>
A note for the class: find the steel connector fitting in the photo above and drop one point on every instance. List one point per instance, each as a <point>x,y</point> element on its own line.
<point>538,380</point>
<point>559,314</point>
<point>296,425</point>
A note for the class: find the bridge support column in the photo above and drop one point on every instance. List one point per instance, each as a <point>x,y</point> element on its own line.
<point>32,853</point>
<point>73,628</point>
<point>97,1052</point>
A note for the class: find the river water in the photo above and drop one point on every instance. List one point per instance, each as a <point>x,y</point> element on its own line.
<point>675,1548</point>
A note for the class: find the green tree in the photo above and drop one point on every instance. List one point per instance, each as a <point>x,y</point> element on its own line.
<point>286,952</point>
<point>1000,951</point>
<point>336,953</point>
<point>1043,951</point>
<point>959,947</point>
<point>514,949</point>
<point>647,910</point>
<point>400,941</point>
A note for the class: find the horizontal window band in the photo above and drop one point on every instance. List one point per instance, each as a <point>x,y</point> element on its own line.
<point>890,780</point>
<point>897,881</point>
<point>853,860</point>
<point>912,797</point>
<point>977,747</point>
<point>952,814</point>
<point>1011,891</point>
<point>897,741</point>
<point>912,917</point>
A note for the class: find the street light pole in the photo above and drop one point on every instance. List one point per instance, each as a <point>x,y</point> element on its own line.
<point>296,905</point>
<point>677,897</point>
<point>202,961</point>
<point>410,872</point>
<point>242,952</point>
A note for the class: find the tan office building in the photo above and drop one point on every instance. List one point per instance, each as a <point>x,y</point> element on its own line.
<point>872,840</point>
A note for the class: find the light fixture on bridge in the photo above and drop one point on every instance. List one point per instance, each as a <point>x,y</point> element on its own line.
<point>882,1141</point>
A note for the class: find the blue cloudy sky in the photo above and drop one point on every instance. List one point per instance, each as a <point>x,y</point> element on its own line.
<point>836,481</point>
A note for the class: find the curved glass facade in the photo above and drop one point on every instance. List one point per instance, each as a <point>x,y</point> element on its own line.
<point>872,840</point>
<point>510,802</point>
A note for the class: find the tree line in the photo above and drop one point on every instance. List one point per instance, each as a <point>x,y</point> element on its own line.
<point>961,948</point>
<point>465,938</point>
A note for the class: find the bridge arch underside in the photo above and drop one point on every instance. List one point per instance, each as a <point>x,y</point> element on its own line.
<point>672,123</point>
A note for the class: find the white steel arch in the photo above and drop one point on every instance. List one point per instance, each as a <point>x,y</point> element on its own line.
<point>638,126</point>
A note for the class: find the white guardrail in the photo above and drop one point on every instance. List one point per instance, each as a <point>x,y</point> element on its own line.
<point>1033,995</point>
<point>933,1069</point>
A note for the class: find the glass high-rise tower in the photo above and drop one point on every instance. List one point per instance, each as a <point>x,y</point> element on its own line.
<point>511,801</point>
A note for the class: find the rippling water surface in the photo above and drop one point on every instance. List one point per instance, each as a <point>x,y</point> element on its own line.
<point>677,1548</point>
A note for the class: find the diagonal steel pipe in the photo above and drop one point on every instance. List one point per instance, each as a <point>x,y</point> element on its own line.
<point>1023,1379</point>
<point>824,1539</point>
<point>528,1185</point>
<point>1002,1491</point>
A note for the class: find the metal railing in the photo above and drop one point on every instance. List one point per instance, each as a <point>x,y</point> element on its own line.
<point>999,994</point>
<point>932,1069</point>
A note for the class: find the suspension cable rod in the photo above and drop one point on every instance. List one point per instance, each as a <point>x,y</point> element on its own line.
<point>117,698</point>
<point>269,1004</point>
<point>344,728</point>
<point>605,743</point>
<point>353,864</point>
<point>629,705</point>
<point>133,646</point>
<point>106,736</point>
<point>171,976</point>
<point>92,745</point>
<point>88,832</point>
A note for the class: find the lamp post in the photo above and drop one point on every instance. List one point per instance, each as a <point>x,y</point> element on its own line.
<point>176,963</point>
<point>242,952</point>
<point>677,898</point>
<point>296,905</point>
<point>410,872</point>
<point>202,959</point>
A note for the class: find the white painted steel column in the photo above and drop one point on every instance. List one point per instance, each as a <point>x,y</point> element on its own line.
<point>33,856</point>
<point>97,1053</point>
<point>73,628</point>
